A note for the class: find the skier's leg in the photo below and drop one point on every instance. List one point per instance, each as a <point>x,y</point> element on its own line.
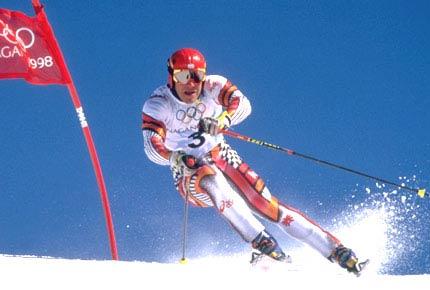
<point>304,229</point>
<point>235,210</point>
<point>231,206</point>
<point>207,186</point>
<point>296,224</point>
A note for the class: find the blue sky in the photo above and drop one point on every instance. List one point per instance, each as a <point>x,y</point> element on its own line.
<point>345,81</point>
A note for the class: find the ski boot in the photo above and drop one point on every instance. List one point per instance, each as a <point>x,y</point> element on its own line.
<point>347,259</point>
<point>265,244</point>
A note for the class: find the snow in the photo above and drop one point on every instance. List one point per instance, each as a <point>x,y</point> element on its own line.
<point>387,228</point>
<point>208,273</point>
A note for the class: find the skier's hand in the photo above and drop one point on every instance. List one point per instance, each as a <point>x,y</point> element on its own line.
<point>209,125</point>
<point>186,163</point>
<point>212,126</point>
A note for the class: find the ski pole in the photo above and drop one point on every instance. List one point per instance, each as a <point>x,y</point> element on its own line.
<point>420,191</point>
<point>184,260</point>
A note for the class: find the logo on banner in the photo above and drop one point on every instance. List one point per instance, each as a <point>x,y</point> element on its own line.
<point>23,38</point>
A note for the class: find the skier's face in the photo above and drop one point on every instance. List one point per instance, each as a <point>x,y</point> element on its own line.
<point>189,92</point>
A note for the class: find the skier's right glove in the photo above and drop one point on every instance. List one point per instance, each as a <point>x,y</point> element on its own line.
<point>187,164</point>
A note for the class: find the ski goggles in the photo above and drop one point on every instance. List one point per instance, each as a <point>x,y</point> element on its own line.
<point>183,76</point>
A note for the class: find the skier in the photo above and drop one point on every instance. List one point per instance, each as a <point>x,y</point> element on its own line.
<point>182,127</point>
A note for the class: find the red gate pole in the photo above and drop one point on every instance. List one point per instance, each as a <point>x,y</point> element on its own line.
<point>85,128</point>
<point>97,168</point>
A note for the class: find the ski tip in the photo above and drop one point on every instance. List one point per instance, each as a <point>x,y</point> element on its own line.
<point>183,261</point>
<point>360,267</point>
<point>422,192</point>
<point>288,259</point>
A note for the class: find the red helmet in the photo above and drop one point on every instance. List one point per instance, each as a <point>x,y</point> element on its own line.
<point>185,58</point>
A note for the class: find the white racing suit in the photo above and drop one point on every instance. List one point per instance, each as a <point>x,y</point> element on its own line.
<point>223,180</point>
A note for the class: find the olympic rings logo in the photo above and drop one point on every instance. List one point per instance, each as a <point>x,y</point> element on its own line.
<point>18,37</point>
<point>192,113</point>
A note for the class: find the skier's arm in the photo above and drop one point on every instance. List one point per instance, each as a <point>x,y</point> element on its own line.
<point>235,105</point>
<point>234,102</point>
<point>154,134</point>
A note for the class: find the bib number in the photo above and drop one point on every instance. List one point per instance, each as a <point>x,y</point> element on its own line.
<point>198,140</point>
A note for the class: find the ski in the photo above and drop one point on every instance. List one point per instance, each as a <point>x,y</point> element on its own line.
<point>257,257</point>
<point>359,267</point>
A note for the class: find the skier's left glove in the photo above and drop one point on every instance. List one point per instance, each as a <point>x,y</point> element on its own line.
<point>212,126</point>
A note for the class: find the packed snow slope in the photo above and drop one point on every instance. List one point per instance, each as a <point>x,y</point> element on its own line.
<point>207,273</point>
<point>389,228</point>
